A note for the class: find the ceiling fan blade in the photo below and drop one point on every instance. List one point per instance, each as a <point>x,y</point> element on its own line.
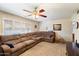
<point>28,15</point>
<point>43,16</point>
<point>42,10</point>
<point>27,11</point>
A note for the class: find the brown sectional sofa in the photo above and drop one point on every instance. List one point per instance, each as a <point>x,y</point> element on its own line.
<point>23,42</point>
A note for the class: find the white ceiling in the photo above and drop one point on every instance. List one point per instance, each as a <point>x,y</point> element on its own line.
<point>52,10</point>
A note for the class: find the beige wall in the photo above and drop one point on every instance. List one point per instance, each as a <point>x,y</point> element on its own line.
<point>66,31</point>
<point>0,27</point>
<point>4,15</point>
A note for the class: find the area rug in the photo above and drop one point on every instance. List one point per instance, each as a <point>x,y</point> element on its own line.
<point>46,49</point>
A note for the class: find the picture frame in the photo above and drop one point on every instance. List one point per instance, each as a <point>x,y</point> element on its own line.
<point>57,27</point>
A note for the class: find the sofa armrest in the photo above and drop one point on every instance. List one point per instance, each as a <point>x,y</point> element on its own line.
<point>6,49</point>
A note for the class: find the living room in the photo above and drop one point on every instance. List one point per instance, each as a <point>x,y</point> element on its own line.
<point>29,27</point>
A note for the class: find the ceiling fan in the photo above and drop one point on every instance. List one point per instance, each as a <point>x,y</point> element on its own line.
<point>36,12</point>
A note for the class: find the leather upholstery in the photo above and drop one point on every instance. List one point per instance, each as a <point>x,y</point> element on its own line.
<point>22,42</point>
<point>6,49</point>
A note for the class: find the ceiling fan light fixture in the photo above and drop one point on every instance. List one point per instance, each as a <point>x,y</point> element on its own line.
<point>35,16</point>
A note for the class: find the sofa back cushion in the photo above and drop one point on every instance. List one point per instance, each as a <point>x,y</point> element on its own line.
<point>14,39</point>
<point>11,38</point>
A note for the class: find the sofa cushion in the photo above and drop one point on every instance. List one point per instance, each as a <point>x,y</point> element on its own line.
<point>8,38</point>
<point>13,41</point>
<point>25,38</point>
<point>18,46</point>
<point>21,45</point>
<point>29,42</point>
<point>16,41</point>
<point>22,35</point>
<point>37,38</point>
